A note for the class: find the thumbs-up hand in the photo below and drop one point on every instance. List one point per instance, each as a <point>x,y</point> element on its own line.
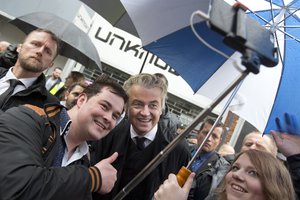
<point>108,173</point>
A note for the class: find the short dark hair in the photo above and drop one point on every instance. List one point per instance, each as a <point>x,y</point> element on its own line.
<point>58,68</point>
<point>81,84</point>
<point>211,121</point>
<point>105,81</point>
<point>53,37</point>
<point>76,76</point>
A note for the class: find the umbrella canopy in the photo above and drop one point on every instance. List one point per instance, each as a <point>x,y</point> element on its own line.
<point>75,43</point>
<point>261,97</point>
<point>114,12</point>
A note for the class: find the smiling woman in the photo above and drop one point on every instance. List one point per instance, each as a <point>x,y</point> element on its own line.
<point>253,174</point>
<point>256,175</point>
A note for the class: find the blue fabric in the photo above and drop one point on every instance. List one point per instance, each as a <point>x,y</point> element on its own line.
<point>200,160</point>
<point>196,63</point>
<point>64,126</point>
<point>61,151</point>
<point>288,95</point>
<point>183,52</point>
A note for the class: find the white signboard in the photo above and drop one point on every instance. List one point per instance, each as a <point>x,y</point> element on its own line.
<point>124,52</point>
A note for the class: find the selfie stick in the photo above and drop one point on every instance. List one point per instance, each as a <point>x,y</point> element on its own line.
<point>252,57</point>
<point>161,156</point>
<point>186,171</point>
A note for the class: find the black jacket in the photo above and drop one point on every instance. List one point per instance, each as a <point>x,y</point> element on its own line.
<point>293,163</point>
<point>36,94</point>
<point>209,179</point>
<point>9,57</point>
<point>26,172</point>
<point>208,164</point>
<point>169,120</point>
<point>119,141</point>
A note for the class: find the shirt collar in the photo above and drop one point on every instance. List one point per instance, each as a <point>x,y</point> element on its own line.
<point>26,81</point>
<point>80,150</point>
<point>150,135</point>
<point>202,155</point>
<point>65,122</point>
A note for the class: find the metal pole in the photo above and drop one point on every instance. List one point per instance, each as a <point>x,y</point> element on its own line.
<point>215,124</point>
<point>160,157</point>
<point>144,62</point>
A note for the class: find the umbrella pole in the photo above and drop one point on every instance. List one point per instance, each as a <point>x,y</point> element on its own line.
<point>144,62</point>
<point>215,124</point>
<point>160,157</point>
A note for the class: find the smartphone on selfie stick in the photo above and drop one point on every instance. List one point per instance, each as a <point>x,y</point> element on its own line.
<point>255,42</point>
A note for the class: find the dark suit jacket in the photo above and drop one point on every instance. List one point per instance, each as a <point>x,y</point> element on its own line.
<point>119,140</point>
<point>36,94</point>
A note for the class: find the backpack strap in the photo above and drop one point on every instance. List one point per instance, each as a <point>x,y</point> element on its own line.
<point>49,113</point>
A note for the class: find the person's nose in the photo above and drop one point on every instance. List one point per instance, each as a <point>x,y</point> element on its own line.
<point>253,146</point>
<point>238,175</point>
<point>108,117</point>
<point>145,110</point>
<point>40,50</point>
<point>210,138</point>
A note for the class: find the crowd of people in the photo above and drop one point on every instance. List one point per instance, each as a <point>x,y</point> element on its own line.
<point>73,140</point>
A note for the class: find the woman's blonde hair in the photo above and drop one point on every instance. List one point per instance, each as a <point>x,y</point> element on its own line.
<point>273,175</point>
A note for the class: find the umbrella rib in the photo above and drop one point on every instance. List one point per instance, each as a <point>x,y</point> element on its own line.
<point>288,26</point>
<point>275,33</point>
<point>279,51</point>
<point>289,15</point>
<point>286,33</point>
<point>272,11</point>
<point>291,36</point>
<point>260,17</point>
<point>271,25</point>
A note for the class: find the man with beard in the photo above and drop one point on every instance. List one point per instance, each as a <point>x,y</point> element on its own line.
<point>25,82</point>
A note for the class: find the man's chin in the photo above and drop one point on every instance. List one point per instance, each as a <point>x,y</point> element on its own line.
<point>205,150</point>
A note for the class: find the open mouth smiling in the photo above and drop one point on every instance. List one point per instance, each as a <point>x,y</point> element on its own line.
<point>238,188</point>
<point>144,120</point>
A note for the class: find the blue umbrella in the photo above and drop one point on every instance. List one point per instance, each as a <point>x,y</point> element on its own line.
<point>164,29</point>
<point>283,17</point>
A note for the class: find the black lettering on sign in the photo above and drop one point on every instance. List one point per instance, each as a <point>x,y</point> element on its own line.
<point>126,46</point>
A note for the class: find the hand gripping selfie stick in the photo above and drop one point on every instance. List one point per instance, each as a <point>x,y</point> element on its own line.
<point>257,48</point>
<point>184,172</point>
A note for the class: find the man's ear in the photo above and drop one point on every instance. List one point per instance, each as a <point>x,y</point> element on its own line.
<point>66,95</point>
<point>19,48</point>
<point>51,64</point>
<point>82,99</point>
